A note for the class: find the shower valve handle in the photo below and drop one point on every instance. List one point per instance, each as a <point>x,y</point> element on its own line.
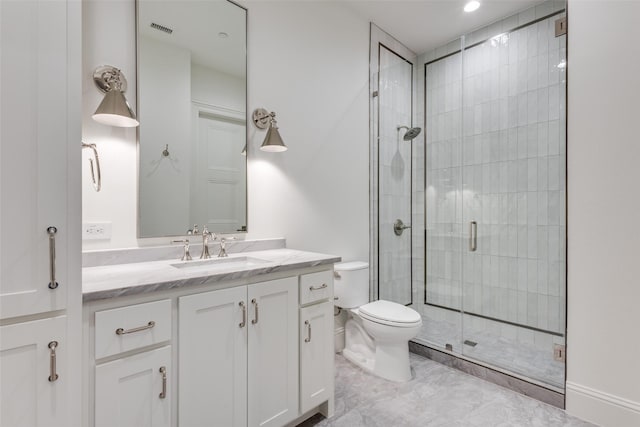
<point>399,227</point>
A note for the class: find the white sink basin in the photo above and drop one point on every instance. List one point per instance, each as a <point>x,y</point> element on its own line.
<point>212,264</point>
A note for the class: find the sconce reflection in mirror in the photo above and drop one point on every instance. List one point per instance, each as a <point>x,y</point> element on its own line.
<point>97,183</point>
<point>273,141</point>
<point>114,110</point>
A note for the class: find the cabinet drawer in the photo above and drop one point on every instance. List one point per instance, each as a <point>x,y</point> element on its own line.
<point>316,287</point>
<point>132,327</point>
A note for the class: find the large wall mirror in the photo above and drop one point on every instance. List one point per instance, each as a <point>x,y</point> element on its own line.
<point>192,92</point>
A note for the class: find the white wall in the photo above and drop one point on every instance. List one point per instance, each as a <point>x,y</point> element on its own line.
<point>308,62</point>
<point>101,44</point>
<point>216,88</point>
<point>603,349</point>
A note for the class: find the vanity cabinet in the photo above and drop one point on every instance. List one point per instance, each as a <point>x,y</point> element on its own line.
<point>134,390</point>
<point>238,356</point>
<point>316,341</point>
<point>242,354</point>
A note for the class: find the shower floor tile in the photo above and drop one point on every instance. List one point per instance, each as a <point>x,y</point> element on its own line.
<point>502,352</point>
<point>437,396</point>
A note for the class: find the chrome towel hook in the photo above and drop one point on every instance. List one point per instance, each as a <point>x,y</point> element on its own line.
<point>97,183</point>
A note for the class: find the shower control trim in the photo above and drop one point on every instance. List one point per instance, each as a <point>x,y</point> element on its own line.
<point>399,227</point>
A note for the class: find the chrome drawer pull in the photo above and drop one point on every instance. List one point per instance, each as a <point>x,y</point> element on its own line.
<point>52,361</point>
<point>163,371</point>
<point>121,331</point>
<point>52,257</point>
<point>308,324</point>
<point>244,314</point>
<point>317,288</point>
<point>255,303</point>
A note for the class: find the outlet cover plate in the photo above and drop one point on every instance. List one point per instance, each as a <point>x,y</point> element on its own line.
<point>96,230</point>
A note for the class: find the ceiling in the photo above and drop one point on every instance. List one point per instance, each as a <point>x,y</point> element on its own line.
<point>196,26</point>
<point>422,25</point>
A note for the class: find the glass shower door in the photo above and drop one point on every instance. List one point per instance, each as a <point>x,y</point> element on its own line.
<point>513,200</point>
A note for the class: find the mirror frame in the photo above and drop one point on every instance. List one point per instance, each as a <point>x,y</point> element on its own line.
<point>246,117</point>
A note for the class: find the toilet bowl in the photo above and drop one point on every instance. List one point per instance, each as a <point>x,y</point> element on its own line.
<point>377,333</point>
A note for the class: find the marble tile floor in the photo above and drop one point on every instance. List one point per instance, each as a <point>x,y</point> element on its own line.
<point>437,396</point>
<point>522,358</point>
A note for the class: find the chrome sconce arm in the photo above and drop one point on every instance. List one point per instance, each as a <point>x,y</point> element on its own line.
<point>267,120</point>
<point>97,183</point>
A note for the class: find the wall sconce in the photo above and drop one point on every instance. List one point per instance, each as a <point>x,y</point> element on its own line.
<point>263,120</point>
<point>114,110</point>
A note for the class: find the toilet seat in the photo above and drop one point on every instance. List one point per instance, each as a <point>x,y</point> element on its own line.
<point>390,313</point>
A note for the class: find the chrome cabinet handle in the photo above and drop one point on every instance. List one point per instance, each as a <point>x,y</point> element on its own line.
<point>244,314</point>
<point>52,361</point>
<point>255,303</point>
<point>317,288</point>
<point>473,236</point>
<point>52,257</point>
<point>308,324</point>
<point>121,331</point>
<point>163,371</point>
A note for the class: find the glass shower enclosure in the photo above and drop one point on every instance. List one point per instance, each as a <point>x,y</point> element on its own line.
<point>486,193</point>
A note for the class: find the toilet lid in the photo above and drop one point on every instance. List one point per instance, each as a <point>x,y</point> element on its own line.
<point>388,311</point>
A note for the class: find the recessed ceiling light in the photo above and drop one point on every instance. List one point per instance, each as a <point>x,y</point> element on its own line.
<point>471,6</point>
<point>223,35</point>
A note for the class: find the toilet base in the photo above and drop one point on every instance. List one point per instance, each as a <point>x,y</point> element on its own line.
<point>388,361</point>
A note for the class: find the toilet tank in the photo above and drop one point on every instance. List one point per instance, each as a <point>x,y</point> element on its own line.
<point>351,284</point>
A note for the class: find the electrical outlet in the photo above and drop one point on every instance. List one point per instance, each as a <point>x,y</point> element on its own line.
<point>96,230</point>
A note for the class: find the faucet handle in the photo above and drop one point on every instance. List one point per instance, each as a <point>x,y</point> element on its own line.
<point>195,229</point>
<point>186,256</point>
<point>223,247</point>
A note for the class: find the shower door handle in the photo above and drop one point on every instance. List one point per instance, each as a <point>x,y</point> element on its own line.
<point>473,236</point>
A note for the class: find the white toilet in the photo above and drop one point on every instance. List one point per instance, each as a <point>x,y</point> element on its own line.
<point>377,333</point>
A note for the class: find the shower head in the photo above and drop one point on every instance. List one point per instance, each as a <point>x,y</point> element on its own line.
<point>411,133</point>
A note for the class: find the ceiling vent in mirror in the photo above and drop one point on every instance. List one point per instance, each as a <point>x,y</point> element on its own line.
<point>161,28</point>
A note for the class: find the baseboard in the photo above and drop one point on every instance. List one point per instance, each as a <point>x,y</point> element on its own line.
<point>601,408</point>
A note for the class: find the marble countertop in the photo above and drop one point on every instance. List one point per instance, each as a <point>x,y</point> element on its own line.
<point>111,281</point>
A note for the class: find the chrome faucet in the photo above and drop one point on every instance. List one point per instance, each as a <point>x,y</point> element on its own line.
<point>186,256</point>
<point>206,235</point>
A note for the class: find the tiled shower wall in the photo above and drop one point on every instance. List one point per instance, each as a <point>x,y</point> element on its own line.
<point>495,153</point>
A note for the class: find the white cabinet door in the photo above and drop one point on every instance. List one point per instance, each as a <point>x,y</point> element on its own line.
<point>316,355</point>
<point>134,391</point>
<point>273,352</point>
<point>27,396</point>
<point>34,154</point>
<point>213,359</point>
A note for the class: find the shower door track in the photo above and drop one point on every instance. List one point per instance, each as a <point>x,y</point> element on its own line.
<point>519,325</point>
